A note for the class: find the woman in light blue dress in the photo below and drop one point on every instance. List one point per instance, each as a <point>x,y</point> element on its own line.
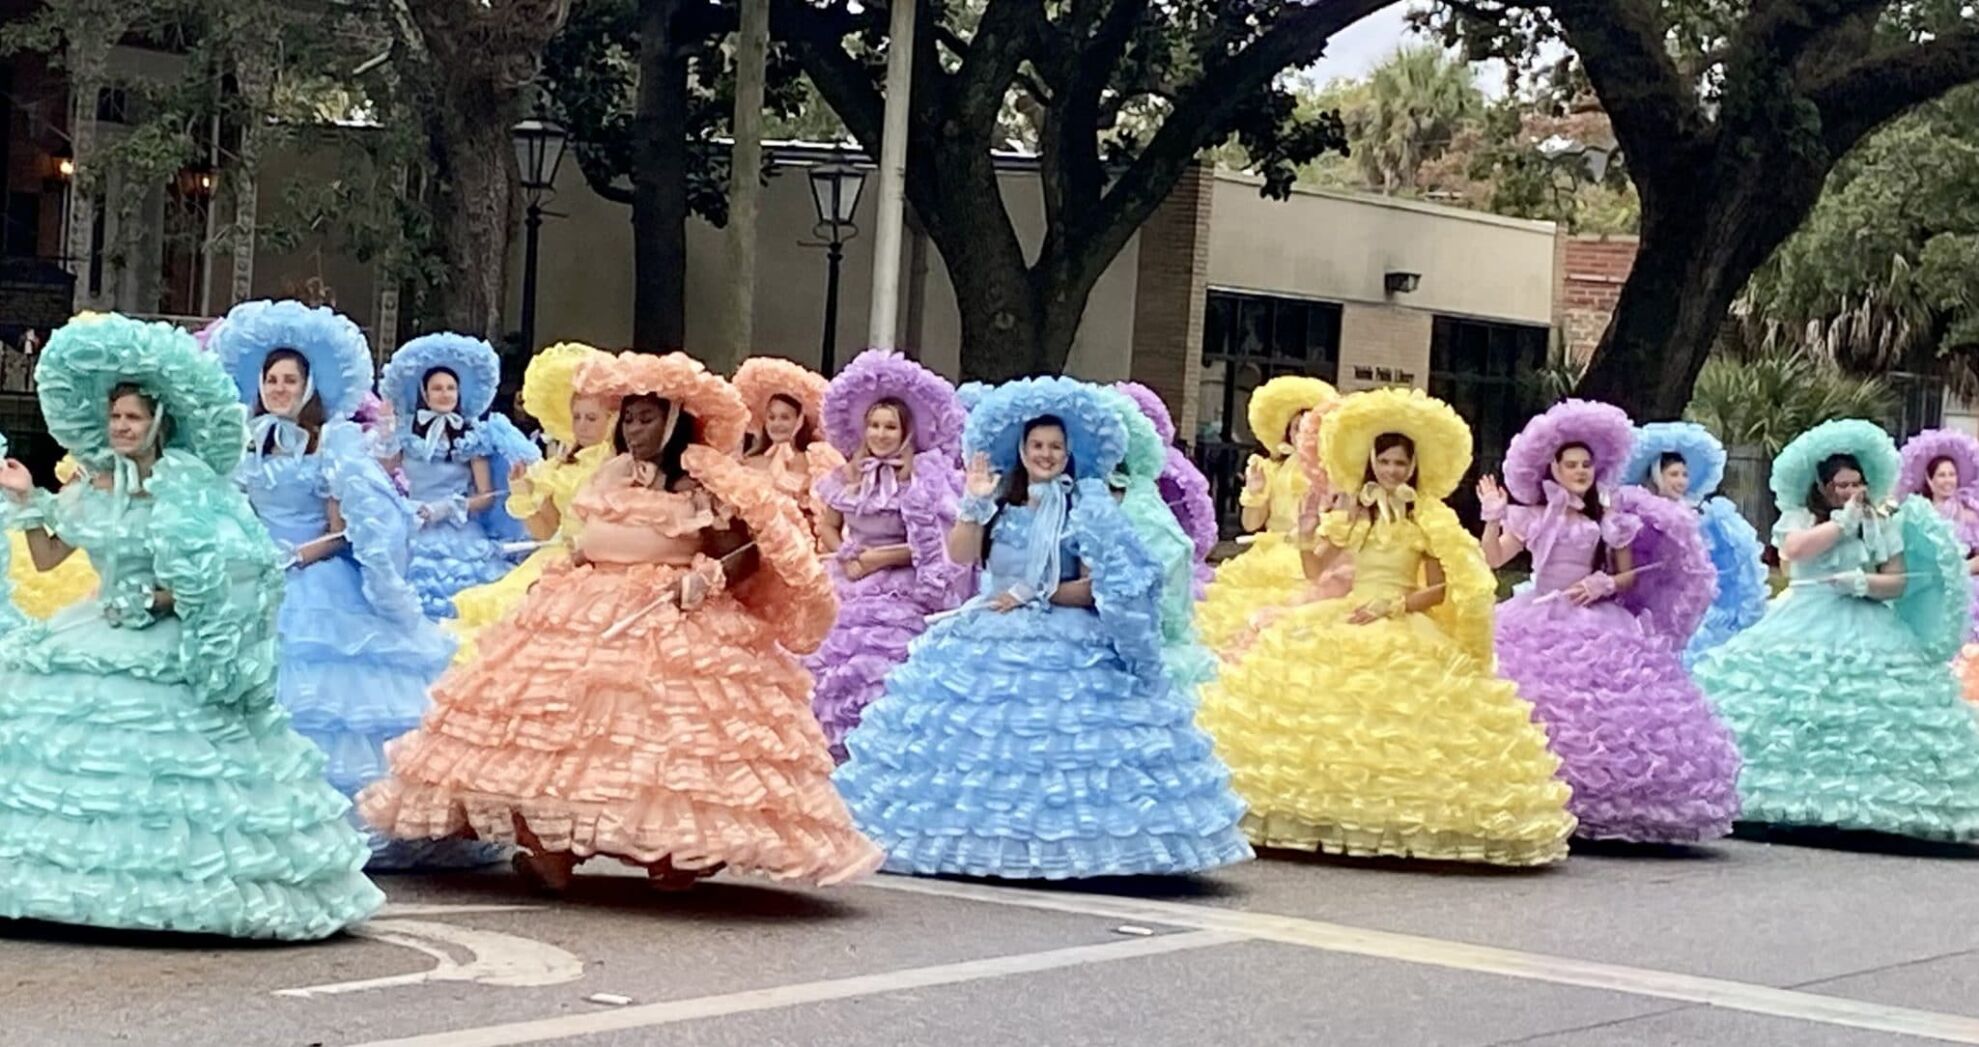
<point>456,458</point>
<point>357,653</point>
<point>1684,462</point>
<point>1035,732</point>
<point>1842,699</point>
<point>148,777</point>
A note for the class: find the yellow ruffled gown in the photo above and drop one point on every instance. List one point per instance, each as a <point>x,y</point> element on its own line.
<point>1268,574</point>
<point>554,479</point>
<point>1390,738</point>
<point>40,594</point>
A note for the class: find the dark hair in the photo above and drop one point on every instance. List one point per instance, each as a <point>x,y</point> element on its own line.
<point>760,442</point>
<point>1825,473</point>
<point>1383,443</point>
<point>671,469</point>
<point>164,421</point>
<point>1016,489</point>
<point>454,433</point>
<point>1925,488</point>
<point>1670,458</point>
<point>1590,505</point>
<point>311,417</point>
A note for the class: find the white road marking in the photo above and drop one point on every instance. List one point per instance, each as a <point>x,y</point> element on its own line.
<point>498,959</point>
<point>397,909</point>
<point>1435,952</point>
<point>570,1026</point>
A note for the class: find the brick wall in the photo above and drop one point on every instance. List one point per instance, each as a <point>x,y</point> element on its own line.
<point>1589,273</point>
<point>1383,345</point>
<point>1171,289</point>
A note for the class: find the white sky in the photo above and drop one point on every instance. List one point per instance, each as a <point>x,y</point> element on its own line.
<point>1362,46</point>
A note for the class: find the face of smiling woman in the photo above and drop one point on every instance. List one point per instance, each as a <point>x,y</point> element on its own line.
<point>130,425</point>
<point>1044,453</point>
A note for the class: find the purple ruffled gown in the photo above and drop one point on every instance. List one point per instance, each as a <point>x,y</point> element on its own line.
<point>883,612</point>
<point>1647,758</point>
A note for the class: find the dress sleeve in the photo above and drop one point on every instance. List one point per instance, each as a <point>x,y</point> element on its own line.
<point>1790,521</point>
<point>378,524</point>
<point>1126,579</point>
<point>211,552</point>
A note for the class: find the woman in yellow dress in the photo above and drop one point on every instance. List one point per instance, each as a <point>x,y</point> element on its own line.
<point>1267,574</point>
<point>786,430</point>
<point>1372,724</point>
<point>41,594</point>
<point>540,494</point>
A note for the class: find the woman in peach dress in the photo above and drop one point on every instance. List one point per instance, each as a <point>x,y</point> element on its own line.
<point>643,702</point>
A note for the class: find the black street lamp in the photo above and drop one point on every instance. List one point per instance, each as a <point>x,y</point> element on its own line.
<point>539,145</point>
<point>835,193</point>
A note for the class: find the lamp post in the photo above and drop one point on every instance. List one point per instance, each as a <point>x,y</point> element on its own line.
<point>835,192</point>
<point>539,145</point>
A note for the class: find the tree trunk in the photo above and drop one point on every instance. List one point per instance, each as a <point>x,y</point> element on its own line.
<point>474,207</point>
<point>659,185</point>
<point>1701,243</point>
<point>745,182</point>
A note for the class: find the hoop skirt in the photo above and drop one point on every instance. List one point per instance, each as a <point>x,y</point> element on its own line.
<point>356,655</point>
<point>558,481</point>
<point>455,551</point>
<point>148,778</point>
<point>1743,591</point>
<point>1046,742</point>
<point>880,614</point>
<point>1388,738</point>
<point>1645,756</point>
<point>1269,574</point>
<point>1845,709</point>
<point>686,739</point>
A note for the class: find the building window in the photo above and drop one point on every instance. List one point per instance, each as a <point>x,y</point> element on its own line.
<point>1484,370</point>
<point>1249,339</point>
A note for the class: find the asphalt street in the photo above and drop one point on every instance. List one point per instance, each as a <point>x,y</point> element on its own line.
<point>1741,942</point>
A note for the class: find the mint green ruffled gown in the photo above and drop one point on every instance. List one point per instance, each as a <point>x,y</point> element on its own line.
<point>148,778</point>
<point>1845,709</point>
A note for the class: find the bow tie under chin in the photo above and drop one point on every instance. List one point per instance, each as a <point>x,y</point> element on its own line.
<point>1391,505</point>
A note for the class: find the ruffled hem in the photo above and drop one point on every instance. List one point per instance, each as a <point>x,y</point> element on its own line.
<point>1385,738</point>
<point>448,558</point>
<point>33,890</point>
<point>1018,745</point>
<point>1267,575</point>
<point>1639,746</point>
<point>687,736</point>
<point>1855,736</point>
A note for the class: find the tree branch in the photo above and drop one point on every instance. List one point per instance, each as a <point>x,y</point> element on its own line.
<point>1657,119</point>
<point>1002,41</point>
<point>1859,97</point>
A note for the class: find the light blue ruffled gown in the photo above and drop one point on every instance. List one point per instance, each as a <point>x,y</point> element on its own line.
<point>356,654</point>
<point>1844,717</point>
<point>1742,594</point>
<point>456,552</point>
<point>148,778</point>
<point>1048,742</point>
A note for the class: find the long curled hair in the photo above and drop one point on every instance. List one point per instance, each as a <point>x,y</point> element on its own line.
<point>1824,474</point>
<point>671,468</point>
<point>311,417</point>
<point>1591,506</point>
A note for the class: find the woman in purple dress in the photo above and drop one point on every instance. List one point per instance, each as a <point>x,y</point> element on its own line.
<point>1943,466</point>
<point>883,521</point>
<point>1620,581</point>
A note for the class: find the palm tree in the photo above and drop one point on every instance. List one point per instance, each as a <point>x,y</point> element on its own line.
<point>1415,103</point>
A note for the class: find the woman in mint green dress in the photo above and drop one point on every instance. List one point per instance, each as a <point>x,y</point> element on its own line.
<point>148,778</point>
<point>1842,698</point>
<point>1135,482</point>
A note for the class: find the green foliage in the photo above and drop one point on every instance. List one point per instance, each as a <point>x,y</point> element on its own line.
<point>1885,272</point>
<point>591,74</point>
<point>1414,105</point>
<point>1767,398</point>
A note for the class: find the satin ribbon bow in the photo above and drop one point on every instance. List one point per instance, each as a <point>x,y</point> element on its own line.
<point>1391,506</point>
<point>290,439</point>
<point>1051,504</point>
<point>785,469</point>
<point>438,424</point>
<point>1552,521</point>
<point>879,484</point>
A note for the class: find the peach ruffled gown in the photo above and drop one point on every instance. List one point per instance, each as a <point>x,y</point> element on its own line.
<point>686,741</point>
